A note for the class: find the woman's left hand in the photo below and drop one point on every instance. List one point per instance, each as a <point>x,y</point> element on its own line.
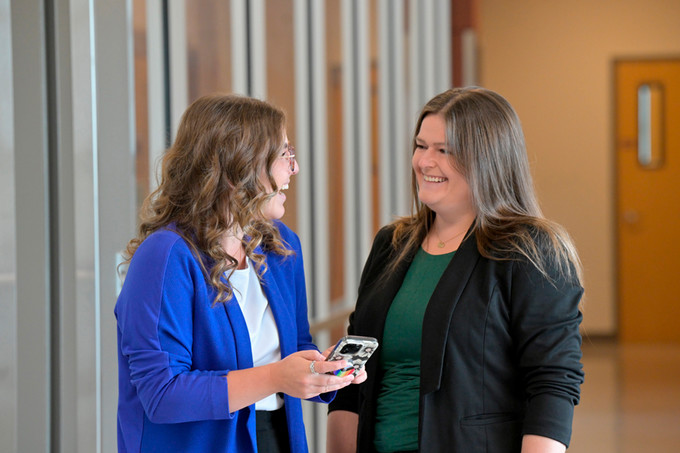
<point>360,376</point>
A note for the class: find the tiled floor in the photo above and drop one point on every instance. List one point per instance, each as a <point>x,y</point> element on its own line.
<point>630,401</point>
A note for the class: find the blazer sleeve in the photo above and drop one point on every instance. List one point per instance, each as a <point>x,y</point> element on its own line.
<point>155,323</point>
<point>545,319</point>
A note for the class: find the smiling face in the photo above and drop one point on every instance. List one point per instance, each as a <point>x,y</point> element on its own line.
<point>441,187</point>
<point>281,172</point>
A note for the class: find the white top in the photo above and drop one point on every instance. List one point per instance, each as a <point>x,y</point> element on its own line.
<point>264,336</point>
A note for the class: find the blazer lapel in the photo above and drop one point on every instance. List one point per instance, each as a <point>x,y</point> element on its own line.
<point>282,316</point>
<point>440,310</point>
<point>244,355</point>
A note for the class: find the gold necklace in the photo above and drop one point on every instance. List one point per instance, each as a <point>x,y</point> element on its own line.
<point>441,244</point>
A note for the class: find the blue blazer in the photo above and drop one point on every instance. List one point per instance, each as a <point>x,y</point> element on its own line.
<point>175,348</point>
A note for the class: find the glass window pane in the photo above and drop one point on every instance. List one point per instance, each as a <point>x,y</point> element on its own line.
<point>281,83</point>
<point>208,60</point>
<point>335,150</point>
<point>208,47</point>
<point>650,125</point>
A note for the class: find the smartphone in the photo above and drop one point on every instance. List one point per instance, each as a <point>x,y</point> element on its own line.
<point>356,350</point>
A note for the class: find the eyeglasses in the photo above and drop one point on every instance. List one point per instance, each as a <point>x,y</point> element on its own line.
<point>290,155</point>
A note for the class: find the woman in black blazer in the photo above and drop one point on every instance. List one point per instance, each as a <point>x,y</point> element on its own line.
<point>474,299</point>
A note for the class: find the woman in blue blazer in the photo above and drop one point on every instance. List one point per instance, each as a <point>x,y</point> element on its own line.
<point>213,339</point>
<point>474,299</point>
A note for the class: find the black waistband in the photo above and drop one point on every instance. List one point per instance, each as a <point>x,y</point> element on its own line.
<point>270,417</point>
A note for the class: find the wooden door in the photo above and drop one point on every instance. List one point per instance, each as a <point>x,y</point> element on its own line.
<point>648,199</point>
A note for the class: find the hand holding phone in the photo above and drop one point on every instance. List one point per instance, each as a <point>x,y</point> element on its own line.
<point>356,350</point>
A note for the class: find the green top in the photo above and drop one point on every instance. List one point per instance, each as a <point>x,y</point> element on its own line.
<point>398,401</point>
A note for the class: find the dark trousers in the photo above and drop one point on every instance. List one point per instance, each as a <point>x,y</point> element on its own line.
<point>272,431</point>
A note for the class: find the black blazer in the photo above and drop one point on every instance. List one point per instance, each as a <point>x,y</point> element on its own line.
<point>500,357</point>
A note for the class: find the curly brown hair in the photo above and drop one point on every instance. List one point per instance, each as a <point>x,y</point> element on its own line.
<point>211,184</point>
<point>486,145</point>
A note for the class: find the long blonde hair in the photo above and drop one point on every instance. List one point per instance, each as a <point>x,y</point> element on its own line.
<point>211,183</point>
<point>486,144</point>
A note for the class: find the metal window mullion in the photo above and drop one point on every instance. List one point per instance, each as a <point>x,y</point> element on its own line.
<point>239,47</point>
<point>321,251</point>
<point>8,229</point>
<point>155,82</point>
<point>96,236</point>
<point>422,53</point>
<point>363,117</point>
<point>303,181</point>
<point>303,141</point>
<point>416,60</point>
<point>402,122</point>
<point>469,57</point>
<point>179,75</point>
<point>32,365</point>
<point>349,143</point>
<point>65,334</point>
<point>386,107</point>
<point>87,418</point>
<point>257,32</point>
<point>428,47</point>
<point>394,136</point>
<point>320,164</point>
<point>441,37</point>
<point>115,197</point>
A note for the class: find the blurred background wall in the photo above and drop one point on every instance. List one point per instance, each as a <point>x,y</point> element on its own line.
<point>555,63</point>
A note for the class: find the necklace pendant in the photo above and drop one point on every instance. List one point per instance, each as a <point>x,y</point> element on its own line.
<point>441,245</point>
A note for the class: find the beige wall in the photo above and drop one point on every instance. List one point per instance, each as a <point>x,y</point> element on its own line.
<point>553,61</point>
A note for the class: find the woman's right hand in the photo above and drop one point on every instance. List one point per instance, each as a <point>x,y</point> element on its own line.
<point>293,375</point>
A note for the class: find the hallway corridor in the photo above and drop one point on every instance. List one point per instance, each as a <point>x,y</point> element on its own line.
<point>630,401</point>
